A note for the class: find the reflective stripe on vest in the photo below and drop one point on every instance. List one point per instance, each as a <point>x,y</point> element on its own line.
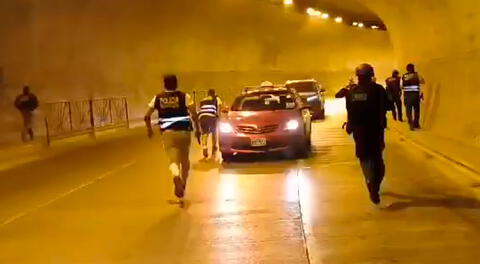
<point>412,88</point>
<point>168,122</point>
<point>208,110</point>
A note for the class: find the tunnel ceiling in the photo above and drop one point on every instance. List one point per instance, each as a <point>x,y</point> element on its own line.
<point>350,10</point>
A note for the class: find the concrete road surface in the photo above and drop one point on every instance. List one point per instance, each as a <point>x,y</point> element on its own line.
<point>109,203</point>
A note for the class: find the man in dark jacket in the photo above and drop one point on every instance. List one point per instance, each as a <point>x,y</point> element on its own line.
<point>394,92</point>
<point>367,105</point>
<point>26,103</point>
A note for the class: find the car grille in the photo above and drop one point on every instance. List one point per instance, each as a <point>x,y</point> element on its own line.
<point>257,130</point>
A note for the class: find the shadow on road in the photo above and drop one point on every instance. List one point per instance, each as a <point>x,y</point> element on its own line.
<point>417,201</point>
<point>258,164</point>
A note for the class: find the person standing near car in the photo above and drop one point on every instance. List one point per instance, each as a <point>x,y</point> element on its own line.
<point>412,96</point>
<point>367,107</point>
<point>27,103</point>
<point>208,114</point>
<point>176,118</point>
<point>394,92</point>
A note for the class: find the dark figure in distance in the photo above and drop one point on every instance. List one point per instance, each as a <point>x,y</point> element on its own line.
<point>412,82</point>
<point>26,103</point>
<point>394,92</point>
<point>176,118</point>
<point>367,105</point>
<point>208,114</point>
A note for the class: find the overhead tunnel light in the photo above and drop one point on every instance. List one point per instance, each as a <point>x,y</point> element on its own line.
<point>355,24</point>
<point>338,20</point>
<point>311,11</point>
<point>288,2</point>
<point>325,16</point>
<point>361,25</point>
<point>374,27</point>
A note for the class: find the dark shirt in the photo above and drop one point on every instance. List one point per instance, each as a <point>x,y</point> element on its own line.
<point>394,86</point>
<point>26,102</point>
<point>367,106</point>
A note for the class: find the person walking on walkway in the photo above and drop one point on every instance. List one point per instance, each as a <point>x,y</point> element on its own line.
<point>411,82</point>
<point>367,107</point>
<point>208,114</point>
<point>394,92</point>
<point>27,103</point>
<point>177,117</point>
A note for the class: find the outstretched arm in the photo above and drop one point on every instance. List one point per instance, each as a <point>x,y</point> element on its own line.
<point>148,117</point>
<point>192,109</point>
<point>148,121</point>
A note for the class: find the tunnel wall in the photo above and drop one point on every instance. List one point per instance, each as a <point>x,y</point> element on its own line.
<point>443,38</point>
<point>79,48</point>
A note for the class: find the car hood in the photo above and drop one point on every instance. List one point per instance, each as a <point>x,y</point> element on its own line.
<point>262,118</point>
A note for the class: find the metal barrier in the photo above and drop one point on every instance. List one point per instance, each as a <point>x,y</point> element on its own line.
<point>70,118</point>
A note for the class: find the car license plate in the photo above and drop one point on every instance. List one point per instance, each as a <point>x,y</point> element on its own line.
<point>258,142</point>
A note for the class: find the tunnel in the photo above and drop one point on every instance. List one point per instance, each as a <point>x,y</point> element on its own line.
<point>86,48</point>
<point>83,49</point>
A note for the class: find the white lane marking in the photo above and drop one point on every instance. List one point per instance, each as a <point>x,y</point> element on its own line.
<point>65,194</point>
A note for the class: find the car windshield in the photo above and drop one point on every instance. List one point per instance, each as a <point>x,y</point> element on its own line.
<point>265,102</point>
<point>302,87</point>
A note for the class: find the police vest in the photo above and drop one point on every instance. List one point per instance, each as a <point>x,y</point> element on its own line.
<point>208,107</point>
<point>393,83</point>
<point>172,111</point>
<point>358,105</point>
<point>411,82</point>
<point>365,106</point>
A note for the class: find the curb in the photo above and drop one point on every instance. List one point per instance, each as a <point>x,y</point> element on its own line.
<point>436,152</point>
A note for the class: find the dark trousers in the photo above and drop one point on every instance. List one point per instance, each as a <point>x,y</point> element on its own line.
<point>397,108</point>
<point>373,168</point>
<point>412,103</point>
<point>27,125</point>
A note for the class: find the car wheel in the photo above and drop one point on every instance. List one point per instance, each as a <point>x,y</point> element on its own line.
<point>227,158</point>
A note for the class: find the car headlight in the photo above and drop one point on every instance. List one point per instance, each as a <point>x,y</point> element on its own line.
<point>292,125</point>
<point>226,128</point>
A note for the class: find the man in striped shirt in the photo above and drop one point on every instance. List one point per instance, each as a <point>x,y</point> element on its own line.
<point>412,95</point>
<point>208,117</point>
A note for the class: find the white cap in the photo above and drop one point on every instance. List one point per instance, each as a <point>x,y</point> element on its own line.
<point>266,84</point>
